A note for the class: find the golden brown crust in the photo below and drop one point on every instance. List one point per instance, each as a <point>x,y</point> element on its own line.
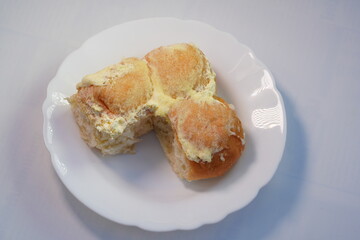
<point>200,133</point>
<point>204,124</point>
<point>127,92</point>
<point>217,167</point>
<point>210,126</point>
<point>113,114</point>
<point>178,69</point>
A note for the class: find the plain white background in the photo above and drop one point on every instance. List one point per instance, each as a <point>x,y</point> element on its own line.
<point>311,47</point>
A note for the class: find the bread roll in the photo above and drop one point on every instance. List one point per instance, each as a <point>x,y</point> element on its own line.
<point>203,138</point>
<point>180,70</point>
<point>171,90</point>
<point>112,106</point>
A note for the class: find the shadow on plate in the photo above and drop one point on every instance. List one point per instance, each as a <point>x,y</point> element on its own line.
<point>134,167</point>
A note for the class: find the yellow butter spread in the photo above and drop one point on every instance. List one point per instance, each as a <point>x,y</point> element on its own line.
<point>159,102</point>
<point>104,76</point>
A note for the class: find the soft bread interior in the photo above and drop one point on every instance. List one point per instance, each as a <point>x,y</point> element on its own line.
<point>171,146</point>
<point>110,143</point>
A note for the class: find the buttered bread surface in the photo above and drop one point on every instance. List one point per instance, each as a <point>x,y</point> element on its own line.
<point>171,90</point>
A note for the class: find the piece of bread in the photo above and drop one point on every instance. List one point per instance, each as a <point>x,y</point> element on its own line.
<point>112,106</point>
<point>171,90</point>
<point>203,138</point>
<point>180,70</point>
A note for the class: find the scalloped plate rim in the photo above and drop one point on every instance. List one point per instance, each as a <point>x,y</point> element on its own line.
<point>48,103</point>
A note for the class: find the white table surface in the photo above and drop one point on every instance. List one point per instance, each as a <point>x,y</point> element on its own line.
<point>311,47</point>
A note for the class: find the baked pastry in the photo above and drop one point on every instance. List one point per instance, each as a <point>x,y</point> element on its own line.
<point>171,90</point>
<point>180,70</point>
<point>112,106</point>
<point>203,138</point>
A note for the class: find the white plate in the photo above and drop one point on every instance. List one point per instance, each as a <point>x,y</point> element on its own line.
<point>141,189</point>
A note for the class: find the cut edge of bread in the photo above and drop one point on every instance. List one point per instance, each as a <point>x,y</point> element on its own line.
<point>110,144</point>
<point>171,147</point>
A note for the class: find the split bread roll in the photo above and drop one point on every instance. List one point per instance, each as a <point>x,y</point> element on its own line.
<point>171,90</point>
<point>112,106</point>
